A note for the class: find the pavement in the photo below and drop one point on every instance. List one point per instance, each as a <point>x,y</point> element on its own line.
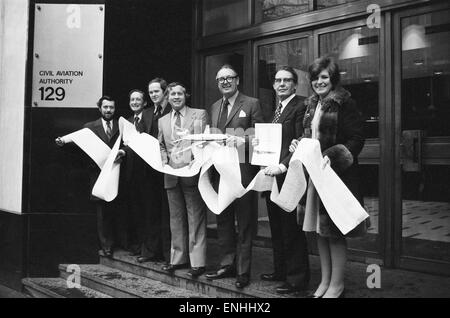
<point>393,283</point>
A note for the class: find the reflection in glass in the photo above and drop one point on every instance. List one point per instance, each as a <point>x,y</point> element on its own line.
<point>321,4</point>
<point>266,10</point>
<point>426,112</point>
<point>426,73</point>
<point>293,53</point>
<point>357,53</point>
<point>221,16</point>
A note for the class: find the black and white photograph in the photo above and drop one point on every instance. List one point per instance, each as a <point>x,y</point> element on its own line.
<point>227,156</point>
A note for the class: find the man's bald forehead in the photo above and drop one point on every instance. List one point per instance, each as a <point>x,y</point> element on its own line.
<point>226,71</point>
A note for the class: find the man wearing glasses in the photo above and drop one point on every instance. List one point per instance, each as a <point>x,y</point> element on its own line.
<point>290,254</point>
<point>234,114</point>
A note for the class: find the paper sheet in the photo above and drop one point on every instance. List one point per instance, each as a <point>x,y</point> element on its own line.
<point>267,152</point>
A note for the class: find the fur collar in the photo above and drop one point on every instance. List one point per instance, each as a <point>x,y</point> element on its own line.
<point>339,95</point>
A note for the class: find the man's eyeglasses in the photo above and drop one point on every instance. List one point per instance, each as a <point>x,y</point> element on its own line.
<point>228,79</point>
<point>286,80</point>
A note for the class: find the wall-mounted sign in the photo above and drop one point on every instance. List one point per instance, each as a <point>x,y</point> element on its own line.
<point>68,55</point>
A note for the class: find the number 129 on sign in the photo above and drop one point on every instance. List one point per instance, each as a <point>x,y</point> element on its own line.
<point>50,93</point>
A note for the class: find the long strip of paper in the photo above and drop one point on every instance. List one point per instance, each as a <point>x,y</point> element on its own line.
<point>342,206</point>
<point>107,185</point>
<point>91,144</point>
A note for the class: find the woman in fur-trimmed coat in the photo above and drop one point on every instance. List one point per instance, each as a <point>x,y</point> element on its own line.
<point>332,117</point>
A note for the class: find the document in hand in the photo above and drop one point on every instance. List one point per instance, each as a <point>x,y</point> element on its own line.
<point>267,152</point>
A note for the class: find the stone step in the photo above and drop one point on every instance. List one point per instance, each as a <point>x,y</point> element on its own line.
<point>221,288</point>
<point>120,284</point>
<point>57,288</point>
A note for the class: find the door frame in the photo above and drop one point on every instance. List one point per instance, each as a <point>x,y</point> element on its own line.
<point>401,261</point>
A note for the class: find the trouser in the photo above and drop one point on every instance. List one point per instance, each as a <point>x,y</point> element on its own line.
<point>187,225</point>
<point>238,249</point>
<point>290,250</point>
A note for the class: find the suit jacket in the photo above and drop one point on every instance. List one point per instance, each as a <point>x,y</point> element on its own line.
<point>291,120</point>
<point>245,113</point>
<point>153,130</point>
<point>97,128</point>
<point>145,124</point>
<point>168,147</point>
<point>340,124</point>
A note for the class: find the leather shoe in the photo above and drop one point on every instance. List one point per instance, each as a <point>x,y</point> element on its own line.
<point>287,288</point>
<point>108,253</point>
<point>195,272</point>
<point>143,259</point>
<point>171,268</point>
<point>272,277</point>
<point>226,271</point>
<point>311,295</point>
<point>242,281</point>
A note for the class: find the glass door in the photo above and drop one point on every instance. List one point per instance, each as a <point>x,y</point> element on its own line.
<point>356,49</point>
<point>237,57</point>
<point>295,50</point>
<point>422,103</point>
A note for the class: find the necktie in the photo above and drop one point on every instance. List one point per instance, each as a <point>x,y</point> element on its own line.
<point>136,123</point>
<point>223,115</point>
<point>108,130</point>
<point>177,125</point>
<point>277,114</point>
<point>158,112</point>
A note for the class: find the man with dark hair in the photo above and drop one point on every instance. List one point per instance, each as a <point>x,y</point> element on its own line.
<point>290,254</point>
<point>107,129</point>
<point>156,91</point>
<point>233,112</point>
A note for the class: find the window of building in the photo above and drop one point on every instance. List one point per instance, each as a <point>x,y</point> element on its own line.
<point>266,10</point>
<point>322,4</point>
<point>221,16</point>
<point>294,53</point>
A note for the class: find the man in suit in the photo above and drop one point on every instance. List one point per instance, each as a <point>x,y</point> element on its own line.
<point>234,114</point>
<point>187,209</point>
<point>156,91</point>
<point>107,129</point>
<point>290,251</point>
<point>144,200</point>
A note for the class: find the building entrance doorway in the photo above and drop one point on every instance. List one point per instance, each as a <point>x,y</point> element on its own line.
<point>422,112</point>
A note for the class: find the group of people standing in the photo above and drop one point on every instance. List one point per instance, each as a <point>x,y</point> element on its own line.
<point>157,200</point>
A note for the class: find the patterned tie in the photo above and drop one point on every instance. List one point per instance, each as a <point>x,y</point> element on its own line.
<point>108,130</point>
<point>223,115</point>
<point>277,114</point>
<point>177,125</point>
